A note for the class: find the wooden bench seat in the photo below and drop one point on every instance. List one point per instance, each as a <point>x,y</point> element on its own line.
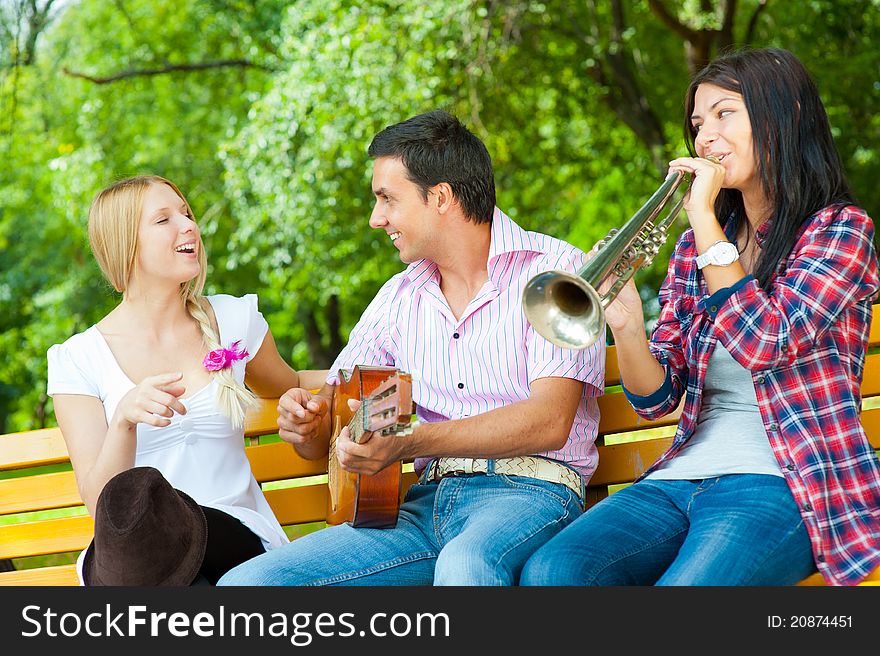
<point>296,488</point>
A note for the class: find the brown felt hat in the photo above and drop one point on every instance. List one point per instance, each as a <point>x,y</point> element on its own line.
<point>146,533</point>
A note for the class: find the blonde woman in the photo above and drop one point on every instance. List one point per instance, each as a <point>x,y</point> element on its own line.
<point>151,401</point>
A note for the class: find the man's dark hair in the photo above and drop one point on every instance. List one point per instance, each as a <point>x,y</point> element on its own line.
<point>435,147</point>
<point>798,164</point>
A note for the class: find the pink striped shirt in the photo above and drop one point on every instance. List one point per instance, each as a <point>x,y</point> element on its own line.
<point>489,357</point>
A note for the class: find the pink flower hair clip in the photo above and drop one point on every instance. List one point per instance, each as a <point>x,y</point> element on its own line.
<point>222,358</point>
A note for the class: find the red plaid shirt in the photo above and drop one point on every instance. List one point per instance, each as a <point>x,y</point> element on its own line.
<point>804,344</point>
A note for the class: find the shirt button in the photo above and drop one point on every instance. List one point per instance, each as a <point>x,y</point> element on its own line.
<point>713,309</point>
<point>456,335</point>
<point>774,426</point>
<point>790,467</point>
<point>820,558</point>
<point>759,380</point>
<point>461,386</point>
<point>808,507</point>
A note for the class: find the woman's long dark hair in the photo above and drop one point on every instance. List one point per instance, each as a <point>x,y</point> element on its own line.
<point>798,164</point>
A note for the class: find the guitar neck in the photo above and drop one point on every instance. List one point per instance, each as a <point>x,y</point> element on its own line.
<point>357,425</point>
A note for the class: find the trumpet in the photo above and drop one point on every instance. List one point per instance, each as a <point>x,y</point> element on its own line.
<point>565,308</point>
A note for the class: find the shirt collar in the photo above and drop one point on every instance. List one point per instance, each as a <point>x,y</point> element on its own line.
<point>505,237</point>
<point>508,237</point>
<point>762,232</point>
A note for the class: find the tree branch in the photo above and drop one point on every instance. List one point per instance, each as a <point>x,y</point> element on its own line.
<point>753,21</point>
<point>170,68</point>
<point>725,36</point>
<point>630,103</point>
<point>671,22</point>
<point>37,21</point>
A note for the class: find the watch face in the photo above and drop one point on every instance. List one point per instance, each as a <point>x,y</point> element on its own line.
<point>721,253</point>
<point>725,253</point>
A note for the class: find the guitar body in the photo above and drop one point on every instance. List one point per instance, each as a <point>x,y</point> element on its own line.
<point>360,499</point>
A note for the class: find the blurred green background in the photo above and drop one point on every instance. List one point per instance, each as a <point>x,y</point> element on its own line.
<point>262,112</point>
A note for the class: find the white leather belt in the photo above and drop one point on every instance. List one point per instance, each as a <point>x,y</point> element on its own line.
<point>530,466</point>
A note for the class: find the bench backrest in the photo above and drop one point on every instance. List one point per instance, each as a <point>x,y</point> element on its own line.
<point>296,488</point>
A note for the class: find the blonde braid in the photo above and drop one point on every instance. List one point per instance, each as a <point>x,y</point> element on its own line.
<point>233,398</point>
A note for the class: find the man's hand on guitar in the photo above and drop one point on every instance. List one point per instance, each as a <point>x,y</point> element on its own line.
<point>300,415</point>
<point>372,454</point>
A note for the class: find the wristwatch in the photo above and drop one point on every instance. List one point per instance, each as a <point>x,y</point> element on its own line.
<point>721,253</point>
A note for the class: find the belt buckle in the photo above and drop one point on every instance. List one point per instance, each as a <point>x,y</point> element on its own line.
<point>434,470</point>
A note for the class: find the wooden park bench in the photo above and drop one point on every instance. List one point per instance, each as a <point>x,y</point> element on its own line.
<point>296,488</point>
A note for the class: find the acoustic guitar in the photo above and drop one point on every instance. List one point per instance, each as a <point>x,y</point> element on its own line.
<point>386,409</point>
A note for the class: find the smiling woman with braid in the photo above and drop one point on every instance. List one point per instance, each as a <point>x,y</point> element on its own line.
<point>151,401</point>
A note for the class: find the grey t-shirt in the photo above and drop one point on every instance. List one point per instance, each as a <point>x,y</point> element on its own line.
<point>729,437</point>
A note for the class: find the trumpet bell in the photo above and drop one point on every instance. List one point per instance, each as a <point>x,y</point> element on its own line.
<point>564,309</point>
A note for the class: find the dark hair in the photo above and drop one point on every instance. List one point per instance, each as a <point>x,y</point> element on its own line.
<point>435,147</point>
<point>798,164</point>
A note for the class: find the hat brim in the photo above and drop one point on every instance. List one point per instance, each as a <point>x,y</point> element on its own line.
<point>188,567</point>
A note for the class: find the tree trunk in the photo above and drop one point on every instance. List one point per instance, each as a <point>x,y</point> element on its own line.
<point>322,355</point>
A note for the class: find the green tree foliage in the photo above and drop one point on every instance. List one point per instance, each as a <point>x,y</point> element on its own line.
<point>112,89</point>
<point>262,112</point>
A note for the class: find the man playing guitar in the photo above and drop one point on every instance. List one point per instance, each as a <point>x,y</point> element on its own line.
<point>507,421</point>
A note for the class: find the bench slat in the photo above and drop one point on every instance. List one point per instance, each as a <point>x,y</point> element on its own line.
<point>262,419</point>
<point>303,505</point>
<point>40,492</point>
<point>55,575</point>
<point>874,336</point>
<point>45,537</point>
<point>278,461</point>
<point>617,416</point>
<point>622,463</point>
<point>871,379</point>
<point>612,372</point>
<point>32,449</point>
<point>871,424</point>
<point>299,505</point>
<point>816,579</point>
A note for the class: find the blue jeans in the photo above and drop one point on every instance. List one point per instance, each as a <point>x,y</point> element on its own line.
<point>462,530</point>
<point>739,529</point>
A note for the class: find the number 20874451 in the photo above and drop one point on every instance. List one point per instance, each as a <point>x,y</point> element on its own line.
<point>809,622</point>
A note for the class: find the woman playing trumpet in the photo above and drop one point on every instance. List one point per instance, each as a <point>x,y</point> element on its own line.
<point>764,322</point>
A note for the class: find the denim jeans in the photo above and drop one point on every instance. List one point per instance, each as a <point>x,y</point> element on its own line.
<point>462,530</point>
<point>738,529</point>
